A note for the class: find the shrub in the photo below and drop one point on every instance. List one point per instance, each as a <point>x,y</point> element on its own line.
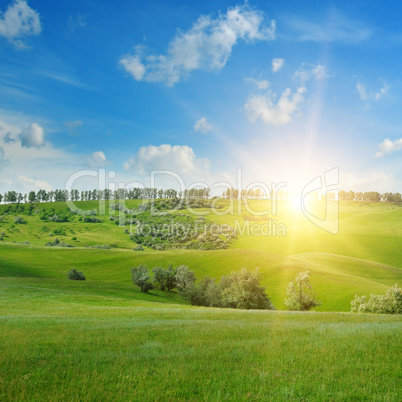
<point>74,238</point>
<point>138,248</point>
<point>75,275</point>
<point>299,295</point>
<point>390,303</point>
<point>141,278</point>
<point>184,277</point>
<point>19,220</point>
<point>164,279</point>
<point>205,293</point>
<point>242,289</point>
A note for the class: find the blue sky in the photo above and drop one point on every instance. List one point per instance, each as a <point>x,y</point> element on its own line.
<point>285,91</point>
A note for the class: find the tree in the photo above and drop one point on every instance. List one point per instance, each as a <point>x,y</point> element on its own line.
<point>141,278</point>
<point>204,293</point>
<point>1,197</point>
<point>32,196</point>
<point>184,277</point>
<point>299,295</point>
<point>242,289</point>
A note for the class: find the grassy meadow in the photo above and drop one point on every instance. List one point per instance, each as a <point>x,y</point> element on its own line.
<point>102,339</point>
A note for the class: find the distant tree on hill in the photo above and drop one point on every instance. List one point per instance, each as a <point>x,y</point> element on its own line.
<point>184,277</point>
<point>141,278</point>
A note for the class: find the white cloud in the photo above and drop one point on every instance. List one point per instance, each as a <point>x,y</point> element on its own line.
<point>177,158</point>
<point>206,46</point>
<point>203,126</point>
<point>366,96</point>
<point>32,184</point>
<point>335,28</point>
<point>369,181</point>
<point>34,136</point>
<point>388,146</point>
<point>263,107</point>
<point>260,84</point>
<point>18,21</point>
<point>308,71</point>
<point>277,64</point>
<point>97,160</point>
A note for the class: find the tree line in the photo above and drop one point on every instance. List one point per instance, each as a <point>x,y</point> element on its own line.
<point>106,194</point>
<point>201,193</point>
<point>372,196</point>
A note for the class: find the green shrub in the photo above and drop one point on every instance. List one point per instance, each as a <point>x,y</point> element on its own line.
<point>19,220</point>
<point>141,278</point>
<point>242,289</point>
<point>205,293</point>
<point>75,275</point>
<point>138,248</point>
<point>390,303</point>
<point>299,295</point>
<point>184,277</point>
<point>164,279</point>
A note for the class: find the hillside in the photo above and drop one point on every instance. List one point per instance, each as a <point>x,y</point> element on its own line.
<point>364,257</point>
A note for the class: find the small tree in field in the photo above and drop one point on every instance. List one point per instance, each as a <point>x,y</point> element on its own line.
<point>75,275</point>
<point>141,278</point>
<point>299,296</point>
<point>184,277</point>
<point>242,290</point>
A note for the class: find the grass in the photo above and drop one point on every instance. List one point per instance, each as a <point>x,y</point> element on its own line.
<point>102,339</point>
<point>71,343</point>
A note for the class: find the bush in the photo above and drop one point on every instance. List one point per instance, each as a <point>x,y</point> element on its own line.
<point>205,293</point>
<point>164,279</point>
<point>138,248</point>
<point>19,220</point>
<point>299,295</point>
<point>184,277</point>
<point>242,289</point>
<point>390,303</point>
<point>75,275</point>
<point>141,278</point>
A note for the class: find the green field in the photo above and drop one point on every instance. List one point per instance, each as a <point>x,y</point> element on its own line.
<point>103,339</point>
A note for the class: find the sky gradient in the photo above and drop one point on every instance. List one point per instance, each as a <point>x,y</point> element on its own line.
<point>285,91</point>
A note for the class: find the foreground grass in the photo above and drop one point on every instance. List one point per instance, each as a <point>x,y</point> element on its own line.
<point>65,344</point>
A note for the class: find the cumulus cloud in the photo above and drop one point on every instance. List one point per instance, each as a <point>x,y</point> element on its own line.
<point>34,136</point>
<point>19,21</point>
<point>308,71</point>
<point>206,46</point>
<point>366,96</point>
<point>260,84</point>
<point>32,184</point>
<point>263,107</point>
<point>97,160</point>
<point>203,126</point>
<point>277,64</point>
<point>388,146</point>
<point>180,159</point>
